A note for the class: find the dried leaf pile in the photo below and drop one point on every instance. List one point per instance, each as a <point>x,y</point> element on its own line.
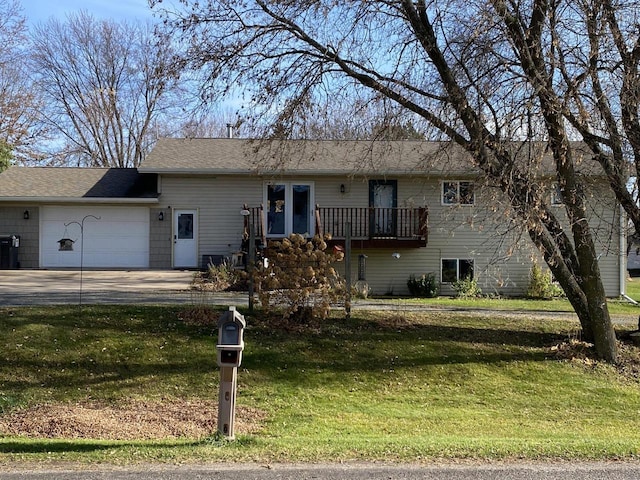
<point>131,421</point>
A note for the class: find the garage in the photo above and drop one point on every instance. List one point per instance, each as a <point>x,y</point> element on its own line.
<point>117,238</point>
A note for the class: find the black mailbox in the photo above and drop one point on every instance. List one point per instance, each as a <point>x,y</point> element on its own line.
<point>230,338</point>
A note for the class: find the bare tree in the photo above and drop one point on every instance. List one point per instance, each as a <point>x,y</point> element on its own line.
<point>202,122</point>
<point>486,75</point>
<point>17,99</point>
<point>597,57</point>
<point>104,83</point>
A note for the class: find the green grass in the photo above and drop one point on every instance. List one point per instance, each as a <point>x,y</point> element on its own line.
<point>633,288</point>
<point>617,306</point>
<point>438,385</point>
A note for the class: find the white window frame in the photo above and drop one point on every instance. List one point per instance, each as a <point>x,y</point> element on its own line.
<point>457,260</point>
<point>288,206</point>
<point>457,201</point>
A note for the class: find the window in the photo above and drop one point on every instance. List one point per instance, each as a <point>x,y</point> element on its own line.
<point>289,209</point>
<point>455,269</point>
<point>185,226</point>
<point>456,192</point>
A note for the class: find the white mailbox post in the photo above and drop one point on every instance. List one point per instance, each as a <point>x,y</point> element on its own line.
<point>230,346</point>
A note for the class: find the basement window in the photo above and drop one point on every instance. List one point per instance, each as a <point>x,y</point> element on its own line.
<point>455,269</point>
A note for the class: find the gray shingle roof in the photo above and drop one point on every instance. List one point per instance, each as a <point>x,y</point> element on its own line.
<point>329,157</point>
<point>73,183</point>
<point>318,157</point>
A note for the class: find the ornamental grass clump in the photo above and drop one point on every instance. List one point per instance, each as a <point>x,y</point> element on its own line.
<point>298,276</point>
<point>541,284</point>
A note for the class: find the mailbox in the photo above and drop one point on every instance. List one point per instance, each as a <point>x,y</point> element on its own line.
<point>230,338</point>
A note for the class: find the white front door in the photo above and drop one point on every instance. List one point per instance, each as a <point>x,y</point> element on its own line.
<point>185,238</point>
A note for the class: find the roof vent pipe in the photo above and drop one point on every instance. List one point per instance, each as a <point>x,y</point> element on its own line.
<point>229,130</point>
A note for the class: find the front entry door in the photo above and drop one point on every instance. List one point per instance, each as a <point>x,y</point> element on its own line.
<point>185,239</point>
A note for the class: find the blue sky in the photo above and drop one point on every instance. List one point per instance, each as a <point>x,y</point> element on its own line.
<point>41,10</point>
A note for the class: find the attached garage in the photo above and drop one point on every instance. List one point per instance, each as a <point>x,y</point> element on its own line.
<point>119,238</point>
<point>108,216</point>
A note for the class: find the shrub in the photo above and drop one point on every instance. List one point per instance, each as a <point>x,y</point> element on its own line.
<point>220,277</point>
<point>361,289</point>
<point>541,284</point>
<point>299,275</point>
<point>467,288</point>
<point>423,286</point>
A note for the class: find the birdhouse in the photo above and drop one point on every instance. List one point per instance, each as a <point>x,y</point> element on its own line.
<point>65,245</point>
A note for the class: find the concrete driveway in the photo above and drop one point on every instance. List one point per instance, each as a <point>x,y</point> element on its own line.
<point>60,287</point>
<point>49,287</point>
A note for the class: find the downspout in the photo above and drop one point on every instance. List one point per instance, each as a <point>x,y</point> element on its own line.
<point>622,256</point>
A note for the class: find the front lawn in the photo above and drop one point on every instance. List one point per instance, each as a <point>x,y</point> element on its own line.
<point>392,386</point>
<point>618,307</point>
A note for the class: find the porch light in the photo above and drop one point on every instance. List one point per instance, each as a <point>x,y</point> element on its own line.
<point>395,255</point>
<point>25,215</point>
<point>342,188</point>
<point>161,216</point>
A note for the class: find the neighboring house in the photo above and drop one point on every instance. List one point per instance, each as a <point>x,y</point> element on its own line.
<point>420,200</point>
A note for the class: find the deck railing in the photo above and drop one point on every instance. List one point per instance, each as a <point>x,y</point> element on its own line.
<point>373,223</point>
<point>367,223</point>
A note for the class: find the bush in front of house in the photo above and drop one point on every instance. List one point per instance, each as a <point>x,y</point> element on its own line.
<point>467,288</point>
<point>423,286</point>
<point>220,277</point>
<point>541,285</point>
<point>299,277</point>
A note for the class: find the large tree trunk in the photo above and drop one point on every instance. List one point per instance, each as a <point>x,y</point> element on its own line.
<point>589,300</point>
<point>575,268</point>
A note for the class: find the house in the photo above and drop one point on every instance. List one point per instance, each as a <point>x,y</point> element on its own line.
<point>408,207</point>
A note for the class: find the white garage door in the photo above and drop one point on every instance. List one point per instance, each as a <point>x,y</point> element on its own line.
<point>119,239</point>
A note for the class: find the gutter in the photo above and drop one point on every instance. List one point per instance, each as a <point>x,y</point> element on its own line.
<point>291,172</point>
<point>83,200</point>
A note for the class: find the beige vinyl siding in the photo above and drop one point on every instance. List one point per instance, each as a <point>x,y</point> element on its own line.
<point>604,220</point>
<point>502,253</point>
<point>218,201</point>
<point>455,232</point>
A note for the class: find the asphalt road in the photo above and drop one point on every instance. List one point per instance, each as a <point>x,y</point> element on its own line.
<point>568,471</point>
